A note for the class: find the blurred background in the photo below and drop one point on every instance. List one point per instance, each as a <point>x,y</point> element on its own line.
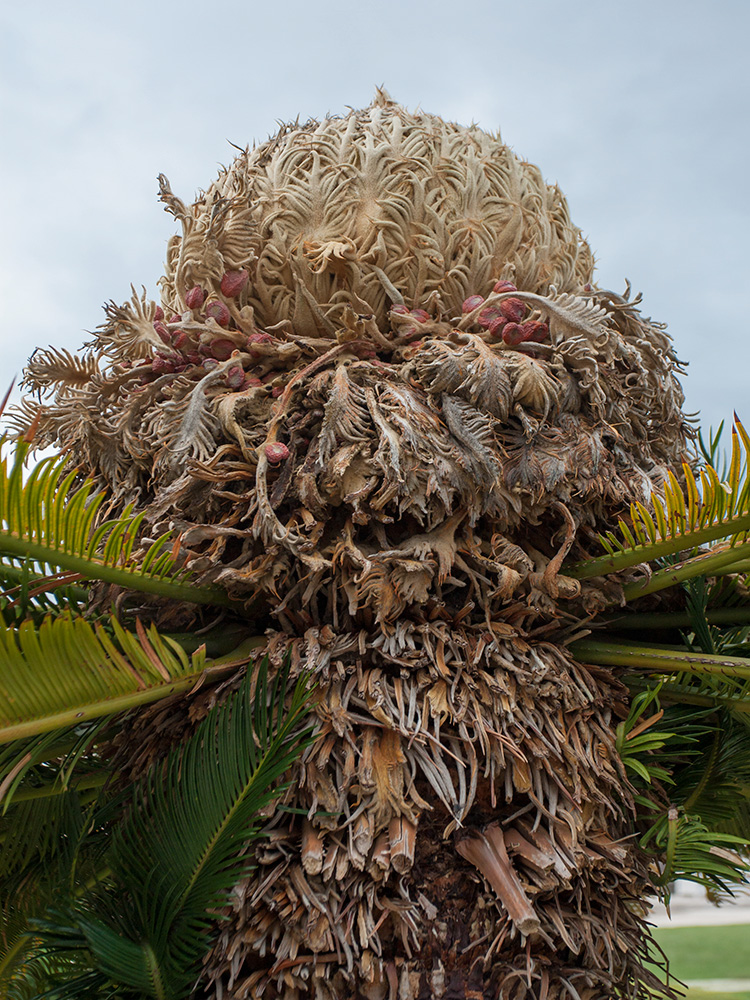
<point>639,111</point>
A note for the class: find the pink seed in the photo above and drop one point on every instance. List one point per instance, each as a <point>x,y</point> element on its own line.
<point>513,334</point>
<point>218,311</point>
<point>276,453</point>
<point>162,364</point>
<point>278,390</point>
<point>259,338</point>
<point>235,377</point>
<point>179,339</point>
<point>400,310</point>
<point>163,332</point>
<point>195,298</point>
<point>473,302</point>
<point>421,316</point>
<point>233,282</point>
<point>489,316</point>
<point>504,286</point>
<point>175,318</point>
<point>535,332</point>
<point>158,313</point>
<point>210,363</point>
<point>496,327</point>
<point>513,309</point>
<point>222,349</point>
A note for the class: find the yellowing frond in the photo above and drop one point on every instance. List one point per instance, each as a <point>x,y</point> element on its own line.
<point>682,519</point>
<point>51,519</point>
<point>68,671</point>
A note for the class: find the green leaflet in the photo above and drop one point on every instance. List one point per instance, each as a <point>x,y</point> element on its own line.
<point>68,671</point>
<point>682,519</point>
<point>54,521</point>
<point>184,842</point>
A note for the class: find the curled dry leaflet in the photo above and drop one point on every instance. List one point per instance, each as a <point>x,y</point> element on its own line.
<point>381,400</point>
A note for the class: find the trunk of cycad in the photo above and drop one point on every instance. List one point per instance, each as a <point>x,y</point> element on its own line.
<point>397,481</point>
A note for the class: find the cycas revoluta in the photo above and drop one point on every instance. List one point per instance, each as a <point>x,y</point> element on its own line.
<point>385,410</point>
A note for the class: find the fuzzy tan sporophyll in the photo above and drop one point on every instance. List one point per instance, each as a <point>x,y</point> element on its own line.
<point>382,400</point>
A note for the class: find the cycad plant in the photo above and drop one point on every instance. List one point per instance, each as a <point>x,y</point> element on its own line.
<point>396,436</point>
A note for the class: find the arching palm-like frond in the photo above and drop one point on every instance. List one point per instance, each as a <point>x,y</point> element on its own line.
<point>683,519</point>
<point>53,519</point>
<point>69,671</point>
<point>184,840</point>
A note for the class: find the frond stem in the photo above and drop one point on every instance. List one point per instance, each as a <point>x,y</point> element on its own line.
<point>659,659</point>
<point>602,565</point>
<point>704,565</point>
<point>124,702</point>
<point>674,619</point>
<point>128,579</point>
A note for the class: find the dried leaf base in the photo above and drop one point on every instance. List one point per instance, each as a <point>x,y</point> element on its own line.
<point>463,836</point>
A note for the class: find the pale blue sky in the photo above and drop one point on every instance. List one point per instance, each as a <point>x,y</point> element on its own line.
<point>638,110</point>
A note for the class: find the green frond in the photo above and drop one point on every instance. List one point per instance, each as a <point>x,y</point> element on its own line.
<point>723,558</point>
<point>51,519</point>
<point>68,671</point>
<point>682,519</point>
<point>688,767</point>
<point>185,841</point>
<point>695,853</point>
<point>734,670</point>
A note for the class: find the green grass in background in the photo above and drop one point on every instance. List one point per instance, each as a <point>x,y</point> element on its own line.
<point>707,952</point>
<point>702,995</point>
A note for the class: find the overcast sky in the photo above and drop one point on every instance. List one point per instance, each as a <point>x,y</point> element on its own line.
<point>639,110</point>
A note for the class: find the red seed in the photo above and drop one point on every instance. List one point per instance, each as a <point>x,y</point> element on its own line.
<point>278,390</point>
<point>222,349</point>
<point>218,311</point>
<point>400,310</point>
<point>496,328</point>
<point>473,302</point>
<point>489,316</point>
<point>513,334</point>
<point>513,309</point>
<point>259,338</point>
<point>210,363</point>
<point>504,286</point>
<point>233,282</point>
<point>179,339</point>
<point>195,298</point>
<point>276,453</point>
<point>175,318</point>
<point>535,332</point>
<point>235,377</point>
<point>158,313</point>
<point>421,316</point>
<point>162,364</point>
<point>163,332</point>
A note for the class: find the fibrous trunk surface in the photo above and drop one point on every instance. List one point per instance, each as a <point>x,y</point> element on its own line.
<point>382,401</point>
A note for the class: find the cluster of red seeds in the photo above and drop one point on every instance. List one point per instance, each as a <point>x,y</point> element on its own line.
<point>192,340</point>
<point>505,320</point>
